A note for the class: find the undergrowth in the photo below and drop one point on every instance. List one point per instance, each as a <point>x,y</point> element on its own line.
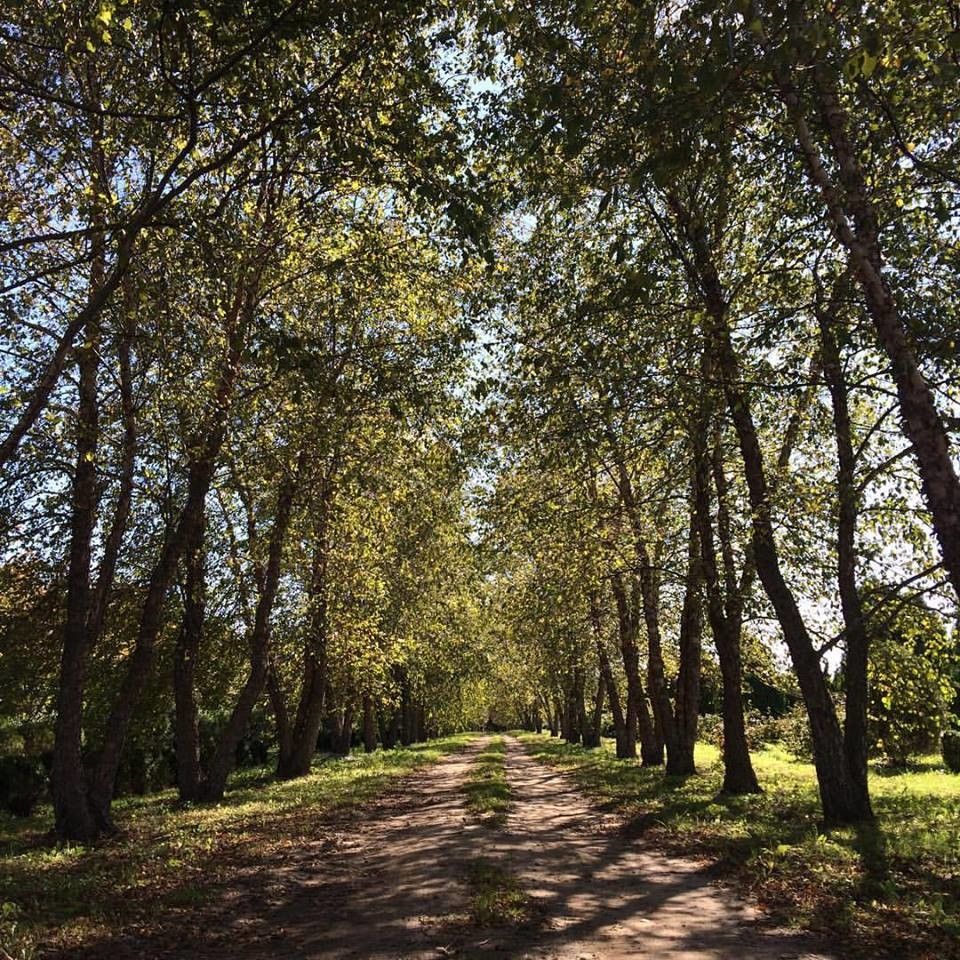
<point>169,858</point>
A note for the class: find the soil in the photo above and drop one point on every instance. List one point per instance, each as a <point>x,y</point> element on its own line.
<point>395,883</point>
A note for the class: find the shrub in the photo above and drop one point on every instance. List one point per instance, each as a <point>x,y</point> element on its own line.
<point>710,729</point>
<point>22,784</point>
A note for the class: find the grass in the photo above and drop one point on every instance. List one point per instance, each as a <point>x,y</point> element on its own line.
<point>889,889</point>
<point>177,857</point>
<point>498,899</point>
<point>488,793</point>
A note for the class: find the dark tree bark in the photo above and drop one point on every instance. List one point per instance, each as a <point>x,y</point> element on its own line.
<point>591,732</point>
<point>552,719</point>
<point>281,717</point>
<point>680,761</point>
<point>855,630</point>
<point>140,662</point>
<point>393,732</point>
<point>74,819</point>
<point>407,732</point>
<point>224,757</point>
<point>186,725</point>
<point>343,739</point>
<point>725,623</point>
<point>581,731</point>
<point>626,622</point>
<point>295,762</point>
<point>606,673</point>
<point>664,728</point>
<point>369,724</point>
<point>664,731</point>
<point>844,799</point>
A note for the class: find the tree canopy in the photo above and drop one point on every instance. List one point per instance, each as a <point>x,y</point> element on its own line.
<point>375,371</point>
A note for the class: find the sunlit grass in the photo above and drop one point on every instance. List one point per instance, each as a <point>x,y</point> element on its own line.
<point>893,886</point>
<point>171,855</point>
<point>488,793</point>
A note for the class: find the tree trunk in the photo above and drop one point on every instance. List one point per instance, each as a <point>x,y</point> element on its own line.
<point>343,739</point>
<point>278,703</point>
<point>369,724</point>
<point>606,673</point>
<point>140,662</point>
<point>306,729</point>
<point>224,757</point>
<point>844,799</point>
<point>857,640</point>
<point>738,773</point>
<point>581,731</point>
<point>680,761</point>
<point>73,817</point>
<point>663,725</point>
<point>855,224</point>
<point>406,713</point>
<point>591,733</point>
<point>393,731</point>
<point>626,622</point>
<point>186,726</point>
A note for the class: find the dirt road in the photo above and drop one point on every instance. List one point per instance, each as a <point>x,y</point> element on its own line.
<point>400,888</point>
<point>396,884</point>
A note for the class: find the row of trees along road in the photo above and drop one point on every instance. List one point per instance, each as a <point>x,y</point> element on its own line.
<point>728,352</point>
<point>714,252</point>
<point>230,444</point>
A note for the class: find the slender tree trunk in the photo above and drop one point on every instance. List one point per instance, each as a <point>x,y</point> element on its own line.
<point>74,819</point>
<point>844,799</point>
<point>664,728</point>
<point>606,673</point>
<point>552,721</point>
<point>344,739</point>
<point>581,731</point>
<point>591,732</point>
<point>278,703</point>
<point>224,757</point>
<point>857,640</point>
<point>653,736</point>
<point>186,725</point>
<point>140,662</point>
<point>393,731</point>
<point>680,761</point>
<point>406,712</point>
<point>631,664</point>
<point>369,724</point>
<point>738,773</point>
<point>310,709</point>
<point>854,221</point>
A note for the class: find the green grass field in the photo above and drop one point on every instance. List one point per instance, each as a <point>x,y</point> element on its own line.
<point>892,889</point>
<point>170,858</point>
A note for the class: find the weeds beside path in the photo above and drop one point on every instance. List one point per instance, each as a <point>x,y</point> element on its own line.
<point>892,889</point>
<point>488,794</point>
<point>171,861</point>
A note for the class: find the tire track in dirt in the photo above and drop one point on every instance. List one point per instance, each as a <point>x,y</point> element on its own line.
<point>603,896</point>
<point>394,884</point>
